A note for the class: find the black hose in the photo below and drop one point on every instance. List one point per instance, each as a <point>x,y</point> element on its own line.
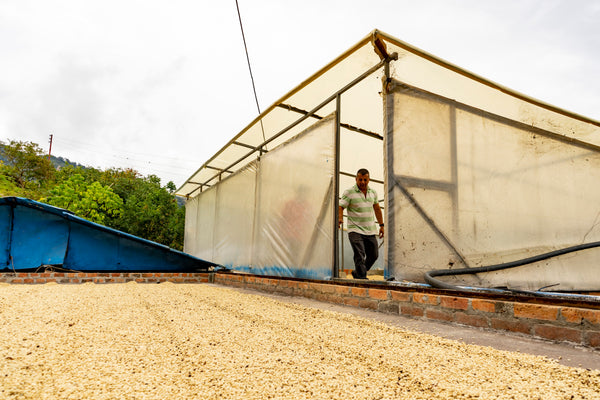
<point>429,276</point>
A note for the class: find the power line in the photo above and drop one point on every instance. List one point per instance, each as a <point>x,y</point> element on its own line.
<point>94,148</point>
<point>250,68</point>
<point>144,166</point>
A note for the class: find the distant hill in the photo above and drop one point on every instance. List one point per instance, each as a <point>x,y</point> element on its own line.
<point>58,162</point>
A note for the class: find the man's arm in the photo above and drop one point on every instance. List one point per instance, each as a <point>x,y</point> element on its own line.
<point>379,217</point>
<point>340,216</point>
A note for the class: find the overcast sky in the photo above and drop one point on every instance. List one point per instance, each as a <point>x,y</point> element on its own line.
<point>160,86</point>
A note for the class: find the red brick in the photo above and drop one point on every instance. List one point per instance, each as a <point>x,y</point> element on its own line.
<point>303,285</point>
<point>351,301</point>
<point>368,303</point>
<point>321,296</point>
<point>390,307</point>
<point>471,320</point>
<point>558,333</point>
<point>400,296</point>
<point>331,298</point>
<point>27,280</point>
<point>315,287</point>
<point>593,339</point>
<point>457,303</point>
<point>577,315</point>
<point>483,305</point>
<point>358,291</point>
<point>22,274</point>
<point>439,315</point>
<point>327,288</point>
<point>412,311</point>
<point>378,294</point>
<point>511,325</point>
<point>536,311</point>
<point>342,290</point>
<point>292,284</point>
<point>17,281</point>
<point>425,298</point>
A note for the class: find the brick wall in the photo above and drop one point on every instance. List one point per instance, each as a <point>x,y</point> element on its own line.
<point>104,277</point>
<point>576,324</point>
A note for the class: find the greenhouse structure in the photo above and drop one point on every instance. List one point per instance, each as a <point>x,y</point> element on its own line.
<point>470,174</point>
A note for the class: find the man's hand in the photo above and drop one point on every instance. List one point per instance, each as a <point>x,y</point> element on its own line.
<point>381,232</point>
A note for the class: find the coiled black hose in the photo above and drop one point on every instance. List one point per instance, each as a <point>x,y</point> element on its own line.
<point>429,276</point>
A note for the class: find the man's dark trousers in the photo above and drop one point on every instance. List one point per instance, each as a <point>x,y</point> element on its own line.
<point>366,251</point>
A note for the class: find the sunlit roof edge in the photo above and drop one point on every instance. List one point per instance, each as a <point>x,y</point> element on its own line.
<point>482,80</point>
<point>370,38</point>
<point>289,94</point>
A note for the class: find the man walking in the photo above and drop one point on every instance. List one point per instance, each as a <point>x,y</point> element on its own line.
<point>360,202</point>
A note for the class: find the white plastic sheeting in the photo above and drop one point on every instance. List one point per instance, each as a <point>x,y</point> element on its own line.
<point>275,216</point>
<point>234,222</point>
<point>471,188</point>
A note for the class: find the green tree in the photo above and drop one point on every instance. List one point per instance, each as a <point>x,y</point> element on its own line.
<point>91,201</point>
<point>149,210</point>
<point>26,164</point>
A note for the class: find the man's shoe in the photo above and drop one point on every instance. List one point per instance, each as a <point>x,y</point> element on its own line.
<point>355,275</point>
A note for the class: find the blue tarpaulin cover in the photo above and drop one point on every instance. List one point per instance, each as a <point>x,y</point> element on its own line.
<point>34,234</point>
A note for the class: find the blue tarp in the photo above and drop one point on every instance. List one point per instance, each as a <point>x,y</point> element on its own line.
<point>34,234</point>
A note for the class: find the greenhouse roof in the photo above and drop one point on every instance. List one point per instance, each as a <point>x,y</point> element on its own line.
<point>362,112</point>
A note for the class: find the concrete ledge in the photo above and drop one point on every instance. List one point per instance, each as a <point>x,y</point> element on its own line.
<point>104,277</point>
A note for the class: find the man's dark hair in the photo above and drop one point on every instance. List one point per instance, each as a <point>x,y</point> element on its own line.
<point>363,171</point>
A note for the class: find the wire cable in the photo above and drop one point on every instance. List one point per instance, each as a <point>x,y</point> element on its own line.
<point>250,69</point>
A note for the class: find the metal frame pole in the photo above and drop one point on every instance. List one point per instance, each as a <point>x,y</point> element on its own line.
<point>336,188</point>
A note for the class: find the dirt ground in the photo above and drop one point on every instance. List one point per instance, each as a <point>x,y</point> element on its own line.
<point>192,341</point>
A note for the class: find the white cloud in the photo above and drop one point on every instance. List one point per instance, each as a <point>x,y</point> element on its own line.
<point>162,85</point>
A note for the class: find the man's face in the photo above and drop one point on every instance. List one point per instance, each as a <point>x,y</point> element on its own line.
<point>362,181</point>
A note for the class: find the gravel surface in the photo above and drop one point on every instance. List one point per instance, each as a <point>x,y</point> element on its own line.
<point>190,341</point>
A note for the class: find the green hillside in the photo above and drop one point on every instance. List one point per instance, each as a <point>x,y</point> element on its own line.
<point>119,198</point>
